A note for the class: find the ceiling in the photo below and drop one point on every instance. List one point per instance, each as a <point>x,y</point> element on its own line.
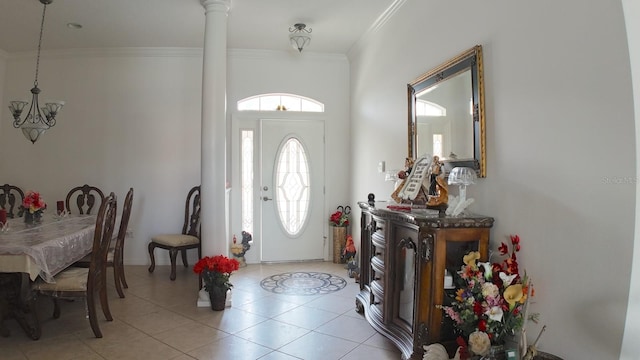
<point>252,24</point>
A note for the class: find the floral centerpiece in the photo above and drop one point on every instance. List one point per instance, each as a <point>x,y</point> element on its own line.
<point>215,272</point>
<point>339,218</point>
<point>489,300</point>
<point>32,207</point>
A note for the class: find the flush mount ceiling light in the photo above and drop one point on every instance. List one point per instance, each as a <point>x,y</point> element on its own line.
<point>299,36</point>
<point>34,124</point>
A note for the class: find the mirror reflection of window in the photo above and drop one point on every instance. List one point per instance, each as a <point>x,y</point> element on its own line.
<point>446,109</point>
<point>437,145</point>
<point>428,108</point>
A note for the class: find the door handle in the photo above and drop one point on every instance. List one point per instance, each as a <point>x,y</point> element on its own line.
<point>265,198</point>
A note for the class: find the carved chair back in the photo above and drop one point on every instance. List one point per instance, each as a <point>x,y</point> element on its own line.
<point>10,199</point>
<point>192,213</point>
<point>85,198</point>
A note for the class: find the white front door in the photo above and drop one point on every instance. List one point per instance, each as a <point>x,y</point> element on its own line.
<point>292,190</point>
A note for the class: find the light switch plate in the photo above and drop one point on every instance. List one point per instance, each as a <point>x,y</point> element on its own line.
<point>381,167</point>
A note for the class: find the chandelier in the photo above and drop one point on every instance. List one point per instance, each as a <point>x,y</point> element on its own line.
<point>34,123</point>
<point>299,36</point>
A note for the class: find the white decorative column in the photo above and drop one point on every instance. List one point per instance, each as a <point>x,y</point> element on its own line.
<point>214,120</point>
<point>213,137</point>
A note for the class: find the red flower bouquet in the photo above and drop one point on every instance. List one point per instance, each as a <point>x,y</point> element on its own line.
<point>33,202</point>
<point>339,218</point>
<point>215,272</point>
<point>32,207</point>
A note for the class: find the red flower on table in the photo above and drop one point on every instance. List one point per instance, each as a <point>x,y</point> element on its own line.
<point>33,203</point>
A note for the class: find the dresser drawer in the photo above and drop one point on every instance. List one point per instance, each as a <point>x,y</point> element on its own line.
<point>377,290</point>
<point>377,265</point>
<point>378,225</point>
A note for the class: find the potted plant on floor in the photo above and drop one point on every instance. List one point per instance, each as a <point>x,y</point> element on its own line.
<point>215,272</point>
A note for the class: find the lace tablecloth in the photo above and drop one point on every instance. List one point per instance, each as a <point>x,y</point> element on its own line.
<point>47,248</point>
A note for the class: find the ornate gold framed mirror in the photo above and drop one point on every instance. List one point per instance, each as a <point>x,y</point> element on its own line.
<point>447,115</point>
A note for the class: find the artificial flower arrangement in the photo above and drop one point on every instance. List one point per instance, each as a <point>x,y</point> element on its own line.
<point>32,204</point>
<point>339,218</point>
<point>215,272</point>
<point>489,301</point>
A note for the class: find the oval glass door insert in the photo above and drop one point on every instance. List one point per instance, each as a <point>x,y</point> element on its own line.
<point>292,187</point>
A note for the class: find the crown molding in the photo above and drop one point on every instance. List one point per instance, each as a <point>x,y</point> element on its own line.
<point>110,52</point>
<point>377,25</point>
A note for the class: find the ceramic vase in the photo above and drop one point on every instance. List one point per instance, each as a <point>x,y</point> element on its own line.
<point>218,299</point>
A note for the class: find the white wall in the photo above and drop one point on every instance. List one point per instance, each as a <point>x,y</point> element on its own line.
<point>630,345</point>
<point>3,67</point>
<point>560,145</point>
<point>131,119</point>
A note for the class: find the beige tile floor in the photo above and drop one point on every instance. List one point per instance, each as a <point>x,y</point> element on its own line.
<point>159,319</point>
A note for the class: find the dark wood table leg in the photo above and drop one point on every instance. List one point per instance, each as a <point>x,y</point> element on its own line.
<point>20,304</point>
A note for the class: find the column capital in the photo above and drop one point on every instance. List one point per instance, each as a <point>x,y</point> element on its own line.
<point>216,5</point>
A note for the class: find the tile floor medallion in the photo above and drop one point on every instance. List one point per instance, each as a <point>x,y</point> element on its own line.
<point>303,283</point>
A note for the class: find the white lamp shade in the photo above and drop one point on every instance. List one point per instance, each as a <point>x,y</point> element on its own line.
<point>462,176</point>
<point>299,40</point>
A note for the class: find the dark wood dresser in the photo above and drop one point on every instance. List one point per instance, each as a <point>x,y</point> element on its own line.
<point>403,258</point>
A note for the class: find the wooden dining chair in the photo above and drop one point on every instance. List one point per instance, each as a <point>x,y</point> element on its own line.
<point>86,198</point>
<point>75,282</point>
<point>115,256</point>
<point>189,238</point>
<point>10,198</point>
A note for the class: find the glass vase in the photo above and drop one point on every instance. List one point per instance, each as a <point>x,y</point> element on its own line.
<point>496,352</point>
<point>28,218</point>
<point>32,218</point>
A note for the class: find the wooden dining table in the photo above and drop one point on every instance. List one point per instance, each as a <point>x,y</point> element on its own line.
<point>39,250</point>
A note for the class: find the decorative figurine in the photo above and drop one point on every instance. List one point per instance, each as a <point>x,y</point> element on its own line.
<point>371,199</point>
<point>353,270</point>
<point>423,184</point>
<point>349,251</point>
<point>437,351</point>
<point>438,189</point>
<point>402,174</point>
<point>238,250</point>
<point>434,171</point>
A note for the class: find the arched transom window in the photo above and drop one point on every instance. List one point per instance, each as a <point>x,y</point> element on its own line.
<point>280,102</point>
<point>427,108</point>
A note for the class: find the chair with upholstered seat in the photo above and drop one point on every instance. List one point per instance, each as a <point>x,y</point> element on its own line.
<point>115,257</point>
<point>86,198</point>
<point>10,198</point>
<point>75,282</point>
<point>189,238</point>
